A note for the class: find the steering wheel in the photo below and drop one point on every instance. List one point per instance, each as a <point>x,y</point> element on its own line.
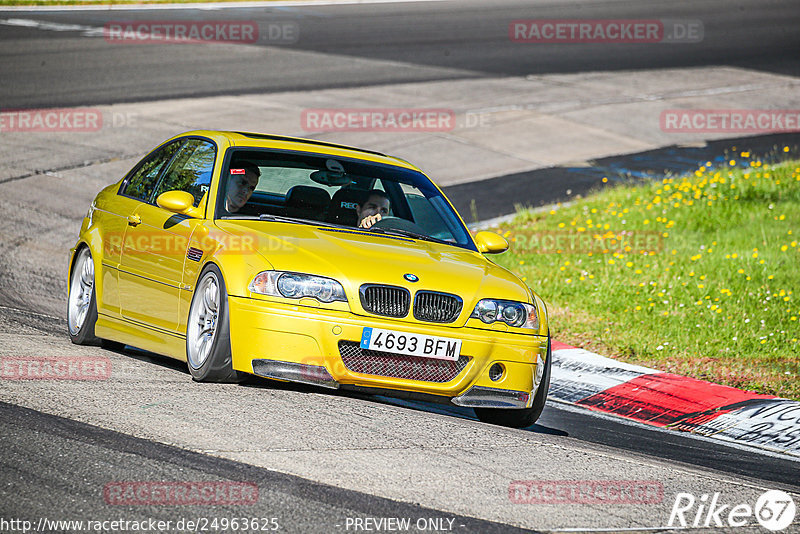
<point>398,223</point>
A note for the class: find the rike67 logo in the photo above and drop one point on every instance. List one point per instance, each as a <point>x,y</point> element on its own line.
<point>774,510</point>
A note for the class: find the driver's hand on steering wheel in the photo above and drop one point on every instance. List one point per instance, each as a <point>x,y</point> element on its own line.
<point>369,220</point>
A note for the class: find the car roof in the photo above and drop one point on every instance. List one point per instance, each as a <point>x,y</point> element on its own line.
<point>260,140</point>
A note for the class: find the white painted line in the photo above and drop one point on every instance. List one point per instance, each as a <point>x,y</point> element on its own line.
<point>28,312</point>
<point>205,6</point>
<point>89,31</point>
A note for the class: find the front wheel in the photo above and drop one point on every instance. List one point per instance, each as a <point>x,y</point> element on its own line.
<point>527,416</point>
<point>81,301</point>
<point>208,339</point>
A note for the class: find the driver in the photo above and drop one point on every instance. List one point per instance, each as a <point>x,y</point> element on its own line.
<point>241,186</point>
<point>373,208</point>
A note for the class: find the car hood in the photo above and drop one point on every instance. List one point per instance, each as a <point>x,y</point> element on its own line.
<point>355,257</point>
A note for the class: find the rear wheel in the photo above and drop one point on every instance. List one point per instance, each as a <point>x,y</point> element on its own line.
<point>81,303</point>
<point>208,340</point>
<point>527,416</point>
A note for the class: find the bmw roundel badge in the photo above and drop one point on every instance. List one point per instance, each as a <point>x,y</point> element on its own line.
<point>411,277</point>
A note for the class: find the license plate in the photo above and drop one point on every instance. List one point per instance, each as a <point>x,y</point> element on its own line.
<point>441,348</point>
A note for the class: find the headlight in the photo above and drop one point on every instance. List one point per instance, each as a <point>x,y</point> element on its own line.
<point>297,286</point>
<point>518,314</point>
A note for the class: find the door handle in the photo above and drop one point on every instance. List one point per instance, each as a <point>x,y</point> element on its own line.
<point>134,220</point>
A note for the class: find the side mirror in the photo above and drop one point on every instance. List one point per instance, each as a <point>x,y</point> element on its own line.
<point>490,242</point>
<point>176,201</point>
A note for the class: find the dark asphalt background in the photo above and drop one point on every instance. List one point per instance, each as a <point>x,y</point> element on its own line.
<point>429,40</point>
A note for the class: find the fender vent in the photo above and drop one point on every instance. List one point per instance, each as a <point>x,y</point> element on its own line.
<point>194,254</point>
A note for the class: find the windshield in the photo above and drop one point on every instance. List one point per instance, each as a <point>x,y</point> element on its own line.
<point>338,191</point>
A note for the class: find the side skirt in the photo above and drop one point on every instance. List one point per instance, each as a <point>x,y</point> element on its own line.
<point>141,336</point>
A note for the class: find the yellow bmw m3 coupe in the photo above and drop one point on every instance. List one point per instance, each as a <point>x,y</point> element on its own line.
<point>304,261</point>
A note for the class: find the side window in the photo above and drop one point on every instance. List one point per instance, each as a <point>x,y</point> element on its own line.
<point>143,181</point>
<point>428,214</point>
<point>191,170</point>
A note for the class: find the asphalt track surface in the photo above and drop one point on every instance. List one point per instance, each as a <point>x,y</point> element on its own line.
<point>88,457</point>
<point>358,45</point>
<point>49,462</point>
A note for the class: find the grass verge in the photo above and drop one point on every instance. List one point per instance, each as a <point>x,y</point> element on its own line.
<point>694,275</point>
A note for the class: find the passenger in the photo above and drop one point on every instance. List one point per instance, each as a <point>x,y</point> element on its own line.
<point>241,186</point>
<point>373,208</point>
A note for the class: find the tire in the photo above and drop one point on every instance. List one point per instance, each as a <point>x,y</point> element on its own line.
<point>208,338</point>
<point>525,417</point>
<point>81,302</point>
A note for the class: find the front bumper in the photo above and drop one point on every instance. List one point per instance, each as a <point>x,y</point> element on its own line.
<point>302,344</point>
